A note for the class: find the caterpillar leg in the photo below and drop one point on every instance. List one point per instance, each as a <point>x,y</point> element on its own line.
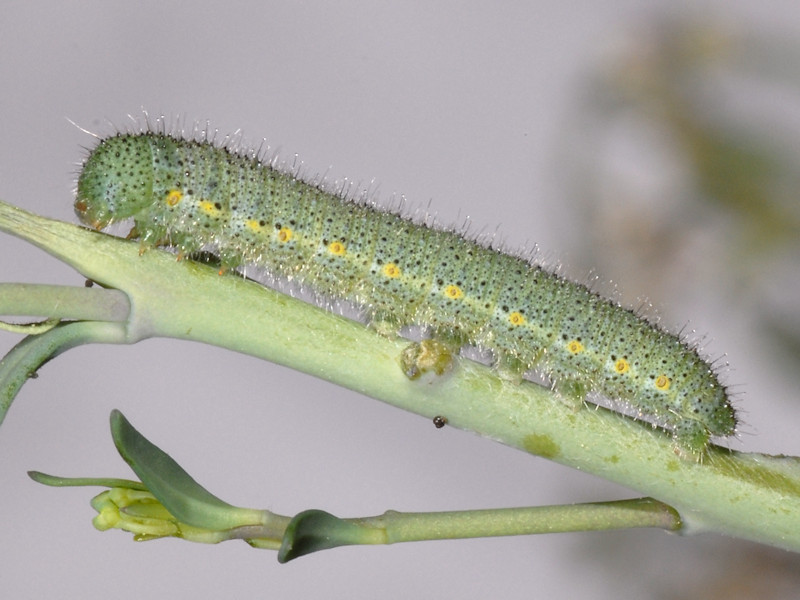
<point>572,392</point>
<point>691,439</point>
<point>427,356</point>
<point>510,368</point>
<point>385,325</point>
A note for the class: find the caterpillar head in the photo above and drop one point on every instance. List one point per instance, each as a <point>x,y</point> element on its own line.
<point>116,182</point>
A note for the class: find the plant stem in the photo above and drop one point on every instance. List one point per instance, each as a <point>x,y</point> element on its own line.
<point>24,360</point>
<point>594,516</point>
<point>63,302</point>
<point>753,496</point>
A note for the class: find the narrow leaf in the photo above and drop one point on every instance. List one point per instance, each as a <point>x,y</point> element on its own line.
<point>313,530</point>
<point>180,494</point>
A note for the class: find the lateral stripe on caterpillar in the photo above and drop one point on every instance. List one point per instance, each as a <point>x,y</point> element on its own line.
<point>194,195</point>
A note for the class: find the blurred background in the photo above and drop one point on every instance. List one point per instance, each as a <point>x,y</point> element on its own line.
<point>652,144</point>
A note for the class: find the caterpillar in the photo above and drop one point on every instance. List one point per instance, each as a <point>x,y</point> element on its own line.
<point>193,195</point>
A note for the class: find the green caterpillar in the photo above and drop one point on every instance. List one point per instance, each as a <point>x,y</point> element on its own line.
<point>193,195</point>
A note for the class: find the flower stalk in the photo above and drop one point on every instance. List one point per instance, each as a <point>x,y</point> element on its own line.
<point>168,502</point>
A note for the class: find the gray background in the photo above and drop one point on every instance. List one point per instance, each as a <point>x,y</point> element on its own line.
<point>459,103</point>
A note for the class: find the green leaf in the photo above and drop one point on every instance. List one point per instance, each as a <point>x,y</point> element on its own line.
<point>313,530</point>
<point>56,481</point>
<point>180,494</point>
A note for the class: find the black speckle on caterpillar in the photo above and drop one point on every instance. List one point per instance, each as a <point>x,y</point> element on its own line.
<point>195,195</point>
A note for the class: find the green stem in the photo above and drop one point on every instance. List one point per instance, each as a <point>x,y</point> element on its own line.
<point>753,496</point>
<point>24,360</point>
<point>593,516</point>
<point>169,502</point>
<point>63,302</point>
<point>315,530</point>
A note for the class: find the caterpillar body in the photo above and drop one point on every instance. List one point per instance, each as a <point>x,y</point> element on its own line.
<point>193,195</point>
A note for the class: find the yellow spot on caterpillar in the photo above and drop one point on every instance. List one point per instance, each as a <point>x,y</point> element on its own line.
<point>285,234</point>
<point>391,270</point>
<point>253,225</point>
<point>622,366</point>
<point>662,383</point>
<point>173,197</point>
<point>336,248</point>
<point>575,347</point>
<point>516,318</point>
<point>209,208</point>
<point>454,292</point>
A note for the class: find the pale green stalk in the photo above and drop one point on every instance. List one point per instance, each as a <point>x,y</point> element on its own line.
<point>168,502</point>
<point>752,496</point>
